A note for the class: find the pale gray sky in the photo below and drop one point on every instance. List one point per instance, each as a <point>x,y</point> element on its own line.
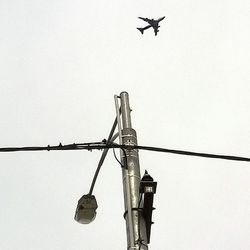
<point>62,62</point>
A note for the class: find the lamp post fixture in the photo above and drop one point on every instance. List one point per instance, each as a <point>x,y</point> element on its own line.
<point>86,209</point>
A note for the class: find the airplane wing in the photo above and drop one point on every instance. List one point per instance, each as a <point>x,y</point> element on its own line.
<point>160,19</point>
<point>147,27</point>
<point>144,19</point>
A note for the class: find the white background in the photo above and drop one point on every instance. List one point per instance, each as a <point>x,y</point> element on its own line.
<point>61,64</point>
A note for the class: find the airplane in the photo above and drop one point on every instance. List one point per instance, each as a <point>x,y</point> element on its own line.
<point>152,23</point>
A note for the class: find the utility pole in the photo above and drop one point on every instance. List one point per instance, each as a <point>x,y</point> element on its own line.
<point>135,222</point>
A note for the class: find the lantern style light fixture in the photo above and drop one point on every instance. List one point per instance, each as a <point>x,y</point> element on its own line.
<point>86,209</point>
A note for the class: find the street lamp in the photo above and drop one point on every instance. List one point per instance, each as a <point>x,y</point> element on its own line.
<point>86,209</point>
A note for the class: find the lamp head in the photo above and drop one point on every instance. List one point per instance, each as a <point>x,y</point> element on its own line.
<point>86,209</point>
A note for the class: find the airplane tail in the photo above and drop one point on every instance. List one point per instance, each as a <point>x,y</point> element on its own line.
<point>141,30</point>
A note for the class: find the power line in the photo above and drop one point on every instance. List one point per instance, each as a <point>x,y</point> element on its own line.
<point>190,153</point>
<point>103,145</point>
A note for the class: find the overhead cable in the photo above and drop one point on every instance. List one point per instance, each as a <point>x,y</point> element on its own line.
<point>103,145</point>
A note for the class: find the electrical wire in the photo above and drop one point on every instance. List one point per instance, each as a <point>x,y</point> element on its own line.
<point>103,156</point>
<point>174,151</point>
<point>103,145</point>
<point>190,153</point>
<point>125,155</point>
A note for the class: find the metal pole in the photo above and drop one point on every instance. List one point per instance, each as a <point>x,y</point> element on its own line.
<point>127,200</point>
<point>136,232</point>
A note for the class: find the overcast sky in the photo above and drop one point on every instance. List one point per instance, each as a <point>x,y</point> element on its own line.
<point>61,64</point>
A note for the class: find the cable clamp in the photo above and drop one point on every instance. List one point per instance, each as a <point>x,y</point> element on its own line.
<point>138,209</point>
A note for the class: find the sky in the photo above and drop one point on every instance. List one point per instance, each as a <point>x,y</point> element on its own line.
<point>61,64</point>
